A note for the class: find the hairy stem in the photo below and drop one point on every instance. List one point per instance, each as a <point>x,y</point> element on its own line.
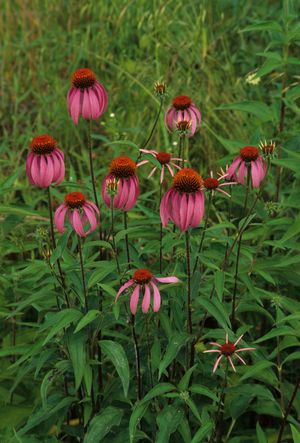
<point>203,232</point>
<point>113,233</point>
<point>126,240</point>
<point>62,278</point>
<point>82,275</point>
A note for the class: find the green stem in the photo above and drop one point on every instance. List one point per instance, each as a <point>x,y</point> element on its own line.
<point>203,231</point>
<point>288,409</point>
<point>189,299</point>
<point>219,415</point>
<point>160,235</point>
<point>137,359</point>
<point>144,145</point>
<point>126,240</point>
<point>239,249</point>
<point>113,233</point>
<point>82,275</point>
<point>62,278</point>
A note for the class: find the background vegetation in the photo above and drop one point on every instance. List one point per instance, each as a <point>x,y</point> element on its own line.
<point>205,49</point>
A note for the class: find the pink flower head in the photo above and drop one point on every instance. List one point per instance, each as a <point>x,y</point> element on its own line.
<point>143,280</point>
<point>165,159</point>
<point>228,350</point>
<point>183,203</point>
<point>80,211</point>
<point>122,174</point>
<point>213,184</point>
<point>45,162</point>
<point>249,157</point>
<point>183,109</point>
<point>86,97</point>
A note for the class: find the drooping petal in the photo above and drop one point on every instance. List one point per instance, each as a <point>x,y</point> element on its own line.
<point>217,363</point>
<point>152,172</point>
<point>164,210</point>
<point>75,106</point>
<point>170,170</point>
<point>59,217</point>
<point>124,287</point>
<point>239,339</point>
<point>255,173</point>
<point>146,300</point>
<point>29,161</point>
<point>212,350</point>
<point>134,299</point>
<point>231,363</point>
<point>242,173</point>
<point>143,162</point>
<point>183,213</point>
<point>77,223</point>
<point>175,208</point>
<point>132,194</point>
<point>46,166</point>
<point>94,104</point>
<point>162,174</point>
<point>172,279</point>
<point>244,349</point>
<point>156,297</point>
<point>91,217</point>
<point>241,359</point>
<point>86,105</point>
<point>105,196</point>
<point>233,167</point>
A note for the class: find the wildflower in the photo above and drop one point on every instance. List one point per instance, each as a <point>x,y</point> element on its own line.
<point>268,149</point>
<point>252,79</point>
<point>45,162</point>
<point>213,184</point>
<point>142,280</point>
<point>183,203</point>
<point>183,109</point>
<point>160,89</point>
<point>228,349</point>
<point>86,97</point>
<point>80,211</point>
<point>164,158</point>
<point>249,158</point>
<point>123,170</point>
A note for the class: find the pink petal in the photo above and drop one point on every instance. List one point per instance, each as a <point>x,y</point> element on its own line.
<point>241,359</point>
<point>183,212</point>
<point>29,161</point>
<point>162,174</point>
<point>212,350</point>
<point>59,217</point>
<point>231,363</point>
<point>90,215</point>
<point>77,223</point>
<point>167,279</point>
<point>156,297</point>
<point>132,194</point>
<point>142,163</point>
<point>124,287</point>
<point>215,344</point>
<point>170,170</point>
<point>105,196</point>
<point>75,106</point>
<point>164,209</point>
<point>245,349</point>
<point>146,300</point>
<point>233,167</point>
<point>135,299</point>
<point>86,105</point>
<point>152,172</point>
<point>175,208</point>
<point>242,173</point>
<point>239,339</point>
<point>217,363</point>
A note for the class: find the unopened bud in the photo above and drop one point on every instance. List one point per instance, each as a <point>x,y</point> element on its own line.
<point>268,149</point>
<point>160,89</point>
<point>183,127</point>
<point>112,186</point>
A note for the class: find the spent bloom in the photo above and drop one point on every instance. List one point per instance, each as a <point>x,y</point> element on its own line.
<point>228,349</point>
<point>183,203</point>
<point>144,281</point>
<point>45,162</point>
<point>183,109</point>
<point>80,212</point>
<point>86,97</point>
<point>125,183</point>
<point>213,184</point>
<point>249,159</point>
<point>164,158</point>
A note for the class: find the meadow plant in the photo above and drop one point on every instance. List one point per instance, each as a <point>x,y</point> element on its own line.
<point>111,328</point>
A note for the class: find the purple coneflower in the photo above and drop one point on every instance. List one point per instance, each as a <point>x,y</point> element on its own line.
<point>122,173</point>
<point>45,162</point>
<point>213,184</point>
<point>228,350</point>
<point>183,203</point>
<point>249,158</point>
<point>80,211</point>
<point>86,97</point>
<point>183,109</point>
<point>142,280</point>
<point>164,158</point>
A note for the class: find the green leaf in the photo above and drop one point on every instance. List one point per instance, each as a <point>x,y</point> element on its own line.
<point>101,424</point>
<point>160,389</point>
<point>259,109</point>
<point>295,434</point>
<point>219,283</point>
<point>115,352</point>
<point>77,350</point>
<point>184,382</point>
<point>216,310</point>
<point>175,344</point>
<point>202,432</point>
<point>276,332</point>
<point>261,436</point>
<point>59,321</point>
<point>136,416</point>
<point>191,404</point>
<point>168,421</point>
<point>203,390</point>
<point>87,319</point>
<point>264,26</point>
<point>256,369</point>
<point>292,231</point>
